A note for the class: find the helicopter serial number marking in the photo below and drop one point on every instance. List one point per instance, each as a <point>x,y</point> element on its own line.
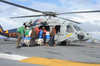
<point>69,35</point>
<point>12,34</point>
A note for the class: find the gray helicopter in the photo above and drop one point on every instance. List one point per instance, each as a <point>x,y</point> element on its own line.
<point>66,30</point>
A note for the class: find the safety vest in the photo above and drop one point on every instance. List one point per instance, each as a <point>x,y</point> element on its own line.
<point>40,34</point>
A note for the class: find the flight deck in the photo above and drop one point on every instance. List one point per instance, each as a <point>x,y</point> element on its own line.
<point>85,53</point>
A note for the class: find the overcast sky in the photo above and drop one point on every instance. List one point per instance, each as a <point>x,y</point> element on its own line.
<point>90,22</point>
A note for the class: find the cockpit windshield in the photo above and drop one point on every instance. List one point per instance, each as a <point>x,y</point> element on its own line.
<point>77,28</point>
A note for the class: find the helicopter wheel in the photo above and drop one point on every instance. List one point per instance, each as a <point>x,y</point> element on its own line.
<point>67,42</point>
<point>63,43</point>
<point>5,39</point>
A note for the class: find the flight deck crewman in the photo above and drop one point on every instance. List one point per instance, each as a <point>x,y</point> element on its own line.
<point>37,29</point>
<point>20,33</point>
<point>33,36</point>
<point>52,35</point>
<point>27,32</point>
<point>26,38</point>
<point>44,34</point>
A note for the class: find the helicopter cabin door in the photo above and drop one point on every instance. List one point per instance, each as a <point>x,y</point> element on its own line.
<point>71,36</point>
<point>60,33</point>
<point>57,27</point>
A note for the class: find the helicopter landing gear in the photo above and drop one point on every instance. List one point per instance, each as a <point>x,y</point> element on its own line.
<point>67,42</point>
<point>63,43</point>
<point>6,39</point>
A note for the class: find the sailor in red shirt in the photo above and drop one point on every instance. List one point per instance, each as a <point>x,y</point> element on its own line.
<point>37,30</point>
<point>44,34</point>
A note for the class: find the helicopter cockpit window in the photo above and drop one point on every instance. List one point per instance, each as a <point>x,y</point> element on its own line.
<point>77,28</point>
<point>70,29</point>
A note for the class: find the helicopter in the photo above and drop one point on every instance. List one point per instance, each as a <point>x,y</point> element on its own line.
<point>66,30</point>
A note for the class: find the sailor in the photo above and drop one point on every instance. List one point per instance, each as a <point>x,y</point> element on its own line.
<point>26,38</point>
<point>20,33</point>
<point>37,29</point>
<point>33,36</point>
<point>27,31</point>
<point>52,35</point>
<point>44,34</point>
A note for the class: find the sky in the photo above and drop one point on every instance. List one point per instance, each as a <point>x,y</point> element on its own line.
<point>90,22</point>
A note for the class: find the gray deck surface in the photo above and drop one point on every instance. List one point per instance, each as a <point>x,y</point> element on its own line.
<point>79,52</point>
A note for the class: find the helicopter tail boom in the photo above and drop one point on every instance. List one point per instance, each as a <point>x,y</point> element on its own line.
<point>8,33</point>
<point>1,29</point>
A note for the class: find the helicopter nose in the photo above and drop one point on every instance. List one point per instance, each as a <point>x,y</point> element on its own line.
<point>87,36</point>
<point>80,36</point>
<point>83,36</point>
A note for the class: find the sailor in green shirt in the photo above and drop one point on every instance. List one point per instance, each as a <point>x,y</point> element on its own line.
<point>26,40</point>
<point>27,32</point>
<point>20,33</point>
<point>21,30</point>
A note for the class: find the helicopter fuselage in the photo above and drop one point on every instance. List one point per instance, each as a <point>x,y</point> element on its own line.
<point>65,31</point>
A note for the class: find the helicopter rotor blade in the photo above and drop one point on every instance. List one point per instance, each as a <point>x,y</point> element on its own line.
<point>46,13</point>
<point>80,12</point>
<point>69,20</point>
<point>27,8</point>
<point>28,16</point>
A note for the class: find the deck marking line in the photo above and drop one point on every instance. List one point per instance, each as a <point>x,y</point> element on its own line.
<point>54,62</point>
<point>12,56</point>
<point>44,61</point>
